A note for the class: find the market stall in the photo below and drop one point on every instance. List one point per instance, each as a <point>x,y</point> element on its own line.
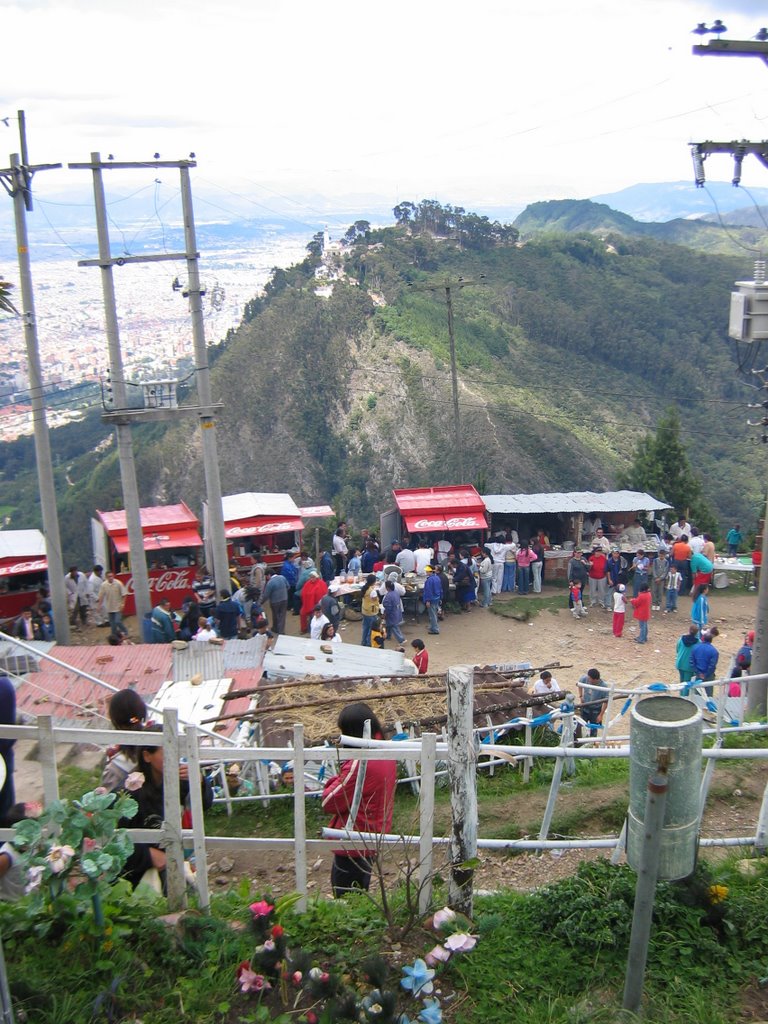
<point>263,525</point>
<point>23,570</point>
<point>456,513</point>
<point>172,542</point>
<point>569,519</point>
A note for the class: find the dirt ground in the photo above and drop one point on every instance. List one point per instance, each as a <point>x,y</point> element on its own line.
<point>553,636</point>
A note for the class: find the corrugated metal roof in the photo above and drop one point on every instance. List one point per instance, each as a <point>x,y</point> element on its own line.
<point>152,517</point>
<point>253,503</point>
<point>22,544</point>
<point>574,501</point>
<point>458,498</point>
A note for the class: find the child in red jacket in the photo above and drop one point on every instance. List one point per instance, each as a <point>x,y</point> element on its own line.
<point>352,869</point>
<point>641,607</point>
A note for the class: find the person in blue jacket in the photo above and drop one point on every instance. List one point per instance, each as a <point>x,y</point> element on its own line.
<point>432,596</point>
<point>704,658</point>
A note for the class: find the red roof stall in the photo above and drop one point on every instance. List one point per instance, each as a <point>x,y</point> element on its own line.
<point>23,570</point>
<point>172,532</point>
<point>263,522</point>
<point>432,511</point>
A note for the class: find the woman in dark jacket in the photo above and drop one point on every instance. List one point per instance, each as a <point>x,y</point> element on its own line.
<point>151,812</point>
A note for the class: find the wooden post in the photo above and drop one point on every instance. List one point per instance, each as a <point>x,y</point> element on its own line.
<point>48,759</point>
<point>299,817</point>
<point>198,818</point>
<point>426,819</point>
<point>462,775</point>
<point>174,852</point>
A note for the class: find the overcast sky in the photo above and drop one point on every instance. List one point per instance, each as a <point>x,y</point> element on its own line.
<point>478,102</point>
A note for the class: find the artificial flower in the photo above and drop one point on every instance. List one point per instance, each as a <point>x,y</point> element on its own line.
<point>417,977</point>
<point>296,977</point>
<point>134,781</point>
<point>437,955</point>
<point>443,917</point>
<point>460,942</point>
<point>311,1017</point>
<point>317,974</point>
<point>59,858</point>
<point>269,946</point>
<point>89,845</point>
<point>261,909</point>
<point>717,893</point>
<point>277,931</point>
<point>34,878</point>
<point>250,981</point>
<point>431,1014</point>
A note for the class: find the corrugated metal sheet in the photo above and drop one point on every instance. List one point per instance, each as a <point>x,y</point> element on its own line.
<point>22,544</point>
<point>573,502</point>
<point>16,661</point>
<point>455,499</point>
<point>254,503</point>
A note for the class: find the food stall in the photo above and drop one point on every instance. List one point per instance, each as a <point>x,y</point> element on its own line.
<point>456,513</point>
<point>171,536</point>
<point>23,570</point>
<point>263,524</point>
<point>568,517</point>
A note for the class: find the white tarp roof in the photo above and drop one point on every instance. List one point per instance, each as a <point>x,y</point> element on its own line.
<point>18,543</point>
<point>573,502</point>
<point>250,504</point>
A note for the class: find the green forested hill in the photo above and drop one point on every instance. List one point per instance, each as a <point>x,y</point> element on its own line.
<point>569,347</point>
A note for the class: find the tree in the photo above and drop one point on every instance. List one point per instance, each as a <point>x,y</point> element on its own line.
<point>6,306</point>
<point>404,212</point>
<point>359,230</point>
<point>662,468</point>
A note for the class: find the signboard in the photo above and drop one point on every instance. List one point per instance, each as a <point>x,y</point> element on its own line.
<point>175,584</point>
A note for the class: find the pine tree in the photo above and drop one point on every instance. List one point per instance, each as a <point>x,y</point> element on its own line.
<point>662,468</point>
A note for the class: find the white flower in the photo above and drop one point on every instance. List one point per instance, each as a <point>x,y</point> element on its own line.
<point>461,942</point>
<point>443,916</point>
<point>134,781</point>
<point>34,878</point>
<point>59,858</point>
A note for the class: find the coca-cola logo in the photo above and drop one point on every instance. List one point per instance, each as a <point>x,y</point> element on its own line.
<point>164,581</point>
<point>462,523</point>
<point>40,565</point>
<point>249,531</point>
<point>429,524</point>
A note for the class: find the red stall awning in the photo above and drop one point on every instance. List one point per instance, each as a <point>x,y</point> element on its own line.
<point>163,527</point>
<point>22,551</point>
<point>441,508</point>
<point>261,525</point>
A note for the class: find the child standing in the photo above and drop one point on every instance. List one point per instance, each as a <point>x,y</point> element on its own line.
<point>421,656</point>
<point>619,609</point>
<point>641,606</point>
<point>674,582</point>
<point>578,609</point>
<point>700,609</point>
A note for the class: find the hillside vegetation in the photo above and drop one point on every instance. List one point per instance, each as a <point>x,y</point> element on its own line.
<point>570,346</point>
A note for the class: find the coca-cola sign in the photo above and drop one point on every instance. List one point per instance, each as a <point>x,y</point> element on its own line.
<point>19,568</point>
<point>429,524</point>
<point>250,530</point>
<point>464,523</point>
<point>175,584</point>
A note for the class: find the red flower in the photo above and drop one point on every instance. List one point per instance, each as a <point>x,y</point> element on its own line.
<point>277,931</point>
<point>311,1017</point>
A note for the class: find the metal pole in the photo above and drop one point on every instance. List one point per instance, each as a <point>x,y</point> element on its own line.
<point>645,892</point>
<point>455,387</point>
<point>45,480</point>
<point>207,422</point>
<point>758,692</point>
<point>123,430</point>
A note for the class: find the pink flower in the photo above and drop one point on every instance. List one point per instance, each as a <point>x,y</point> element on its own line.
<point>101,790</point>
<point>261,909</point>
<point>461,942</point>
<point>59,858</point>
<point>250,981</point>
<point>89,845</point>
<point>437,955</point>
<point>134,781</point>
<point>34,878</point>
<point>296,977</point>
<point>443,917</point>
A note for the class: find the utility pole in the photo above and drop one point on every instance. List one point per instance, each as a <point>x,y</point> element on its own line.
<point>121,416</point>
<point>746,322</point>
<point>17,182</point>
<point>207,422</point>
<point>448,286</point>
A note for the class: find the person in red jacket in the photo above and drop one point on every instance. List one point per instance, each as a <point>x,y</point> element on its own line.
<point>352,869</point>
<point>311,593</point>
<point>420,657</point>
<point>641,608</point>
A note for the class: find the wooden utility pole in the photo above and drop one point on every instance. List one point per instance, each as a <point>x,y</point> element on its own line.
<point>17,180</point>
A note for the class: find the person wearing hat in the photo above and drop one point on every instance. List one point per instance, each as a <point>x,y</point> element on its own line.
<point>744,653</point>
<point>619,609</point>
<point>391,553</point>
<point>432,596</point>
<point>312,593</point>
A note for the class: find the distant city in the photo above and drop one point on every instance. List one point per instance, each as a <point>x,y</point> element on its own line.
<point>154,321</point>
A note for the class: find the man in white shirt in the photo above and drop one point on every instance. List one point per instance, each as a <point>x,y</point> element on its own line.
<point>498,549</point>
<point>339,550</point>
<point>423,558</point>
<point>601,541</point>
<point>696,541</point>
<point>95,579</point>
<point>679,528</point>
<point>406,560</point>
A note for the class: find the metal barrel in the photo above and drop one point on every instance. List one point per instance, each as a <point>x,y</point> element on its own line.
<point>673,724</point>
